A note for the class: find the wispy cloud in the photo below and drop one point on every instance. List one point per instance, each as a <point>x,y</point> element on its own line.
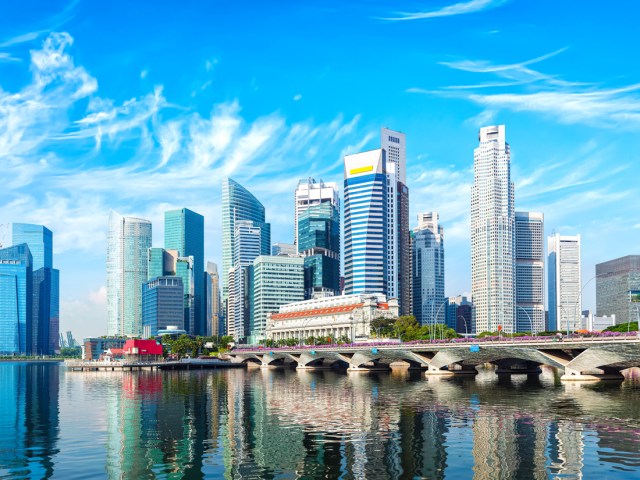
<point>461,8</point>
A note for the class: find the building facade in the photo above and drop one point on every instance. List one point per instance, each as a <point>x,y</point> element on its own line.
<point>399,282</point>
<point>46,289</point>
<point>492,234</point>
<point>615,280</point>
<point>128,244</point>
<point>344,316</point>
<point>286,249</point>
<point>311,192</point>
<point>162,305</point>
<point>16,300</point>
<point>428,270</point>
<point>365,223</point>
<point>565,293</point>
<point>277,281</point>
<point>319,244</point>
<point>184,232</point>
<point>529,233</point>
<point>214,301</point>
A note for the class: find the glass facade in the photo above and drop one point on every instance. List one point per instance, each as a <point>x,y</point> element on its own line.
<point>162,305</point>
<point>529,232</point>
<point>185,270</point>
<point>16,284</point>
<point>239,204</point>
<point>184,232</point>
<point>428,270</point>
<point>128,244</point>
<point>614,280</point>
<point>365,223</point>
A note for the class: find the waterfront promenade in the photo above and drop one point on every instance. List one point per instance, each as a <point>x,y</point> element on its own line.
<point>595,357</point>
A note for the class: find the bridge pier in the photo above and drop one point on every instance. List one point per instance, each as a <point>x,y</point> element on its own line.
<point>454,369</point>
<point>571,375</point>
<point>518,368</point>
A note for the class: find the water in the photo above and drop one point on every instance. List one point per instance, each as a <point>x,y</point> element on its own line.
<point>285,424</point>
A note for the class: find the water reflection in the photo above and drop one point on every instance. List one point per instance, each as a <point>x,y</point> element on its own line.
<point>287,424</point>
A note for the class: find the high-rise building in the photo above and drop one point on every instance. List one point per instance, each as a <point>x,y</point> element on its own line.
<point>529,253</point>
<point>16,300</point>
<point>286,249</point>
<point>428,270</point>
<point>247,247</point>
<point>319,243</point>
<point>215,325</point>
<point>46,288</point>
<point>399,283</point>
<point>459,314</point>
<point>239,204</point>
<point>277,281</point>
<point>310,192</point>
<point>184,232</point>
<point>365,223</point>
<point>161,262</point>
<point>128,244</point>
<point>615,282</point>
<point>565,292</point>
<point>492,234</point>
<point>162,305</point>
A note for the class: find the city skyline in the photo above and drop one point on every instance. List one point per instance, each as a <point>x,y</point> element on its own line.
<point>104,140</point>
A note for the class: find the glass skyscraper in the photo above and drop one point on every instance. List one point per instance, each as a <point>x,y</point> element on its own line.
<point>128,244</point>
<point>365,222</point>
<point>162,305</point>
<point>565,279</point>
<point>16,300</point>
<point>615,279</point>
<point>184,232</point>
<point>529,254</point>
<point>319,243</point>
<point>239,204</point>
<point>46,289</point>
<point>428,270</point>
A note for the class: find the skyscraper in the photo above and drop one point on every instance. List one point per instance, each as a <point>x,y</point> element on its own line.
<point>215,326</point>
<point>615,279</point>
<point>46,288</point>
<point>128,242</point>
<point>239,204</point>
<point>16,299</point>
<point>310,192</point>
<point>365,222</point>
<point>492,234</point>
<point>319,243</point>
<point>529,232</point>
<point>565,293</point>
<point>428,270</point>
<point>162,305</point>
<point>184,232</point>
<point>277,280</point>
<point>398,249</point>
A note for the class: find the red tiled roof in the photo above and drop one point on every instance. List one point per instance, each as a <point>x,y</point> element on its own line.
<point>318,312</point>
<point>116,351</point>
<point>145,347</point>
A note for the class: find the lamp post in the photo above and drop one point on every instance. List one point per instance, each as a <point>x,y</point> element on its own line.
<point>433,320</point>
<point>466,330</point>
<point>529,316</point>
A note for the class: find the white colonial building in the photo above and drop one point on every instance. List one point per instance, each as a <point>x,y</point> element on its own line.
<point>346,315</point>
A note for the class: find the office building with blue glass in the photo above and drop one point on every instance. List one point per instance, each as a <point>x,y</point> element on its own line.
<point>162,305</point>
<point>365,222</point>
<point>16,300</point>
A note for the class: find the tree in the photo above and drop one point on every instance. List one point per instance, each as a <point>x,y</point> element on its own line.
<point>382,327</point>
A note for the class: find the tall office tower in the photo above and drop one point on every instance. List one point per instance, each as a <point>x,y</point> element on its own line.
<point>319,243</point>
<point>565,293</point>
<point>459,314</point>
<point>399,282</point>
<point>46,288</point>
<point>16,300</point>
<point>128,243</point>
<point>162,305</point>
<point>529,232</point>
<point>184,231</point>
<point>365,223</point>
<point>276,281</point>
<point>161,262</point>
<point>428,270</point>
<point>214,300</point>
<point>310,192</point>
<point>239,204</point>
<point>247,247</point>
<point>286,249</point>
<point>492,236</point>
<point>617,284</point>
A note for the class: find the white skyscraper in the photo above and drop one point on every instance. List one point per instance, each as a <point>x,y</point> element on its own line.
<point>529,272</point>
<point>565,296</point>
<point>398,247</point>
<point>309,192</point>
<point>128,242</point>
<point>492,234</point>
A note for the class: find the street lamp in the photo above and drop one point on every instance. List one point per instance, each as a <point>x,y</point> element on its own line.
<point>466,330</point>
<point>434,319</point>
<point>529,316</point>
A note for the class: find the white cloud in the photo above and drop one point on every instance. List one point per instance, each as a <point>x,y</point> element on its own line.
<point>297,97</point>
<point>144,73</point>
<point>472,6</point>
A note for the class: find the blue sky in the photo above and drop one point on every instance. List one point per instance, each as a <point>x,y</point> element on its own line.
<point>145,106</point>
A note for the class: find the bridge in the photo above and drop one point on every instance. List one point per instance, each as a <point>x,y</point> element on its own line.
<point>581,358</point>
